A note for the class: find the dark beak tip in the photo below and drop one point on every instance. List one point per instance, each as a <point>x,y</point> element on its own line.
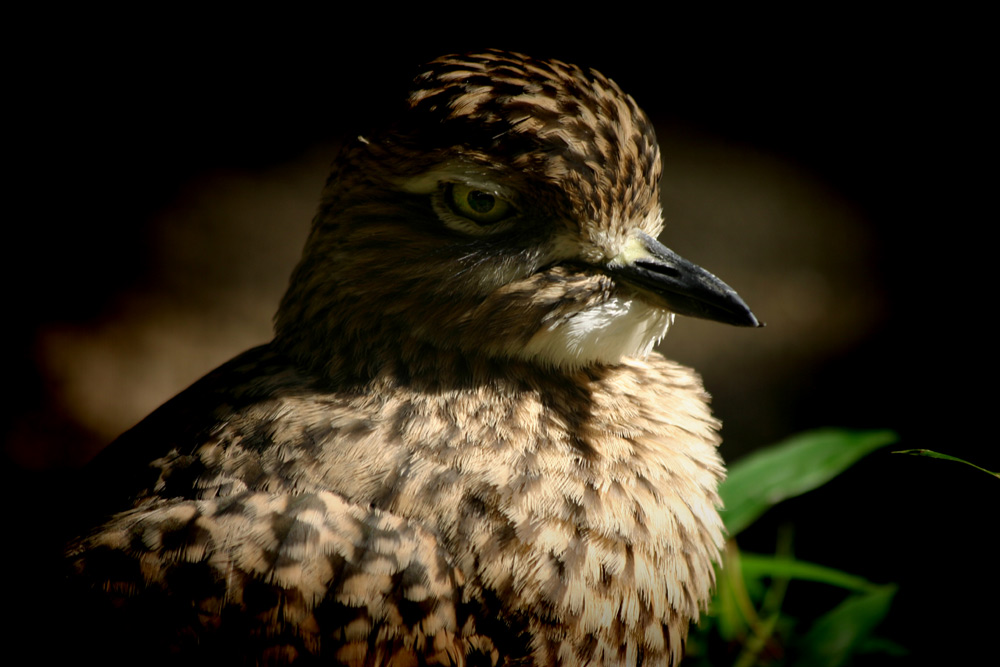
<point>755,323</point>
<point>749,320</point>
<point>742,316</point>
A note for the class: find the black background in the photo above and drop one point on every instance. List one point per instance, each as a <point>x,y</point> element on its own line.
<point>109,116</point>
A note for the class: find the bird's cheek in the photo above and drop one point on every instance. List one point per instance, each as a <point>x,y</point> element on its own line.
<point>514,314</point>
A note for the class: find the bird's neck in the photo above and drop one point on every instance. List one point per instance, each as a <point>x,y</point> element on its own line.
<point>400,359</point>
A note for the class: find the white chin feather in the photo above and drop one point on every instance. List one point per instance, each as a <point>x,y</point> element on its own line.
<point>605,333</point>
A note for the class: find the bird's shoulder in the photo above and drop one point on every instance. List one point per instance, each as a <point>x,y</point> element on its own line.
<point>163,455</point>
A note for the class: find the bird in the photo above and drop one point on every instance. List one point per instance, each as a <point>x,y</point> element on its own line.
<point>460,447</point>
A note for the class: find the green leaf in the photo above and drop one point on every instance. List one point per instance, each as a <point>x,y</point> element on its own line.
<point>845,630</point>
<point>937,455</point>
<point>732,608</point>
<point>790,468</point>
<point>777,567</point>
<point>729,622</point>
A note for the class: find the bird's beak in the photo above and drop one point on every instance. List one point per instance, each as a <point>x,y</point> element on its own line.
<point>684,288</point>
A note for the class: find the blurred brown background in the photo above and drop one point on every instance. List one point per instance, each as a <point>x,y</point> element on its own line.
<point>832,168</point>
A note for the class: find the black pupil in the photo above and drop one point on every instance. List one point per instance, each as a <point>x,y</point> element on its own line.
<point>481,202</point>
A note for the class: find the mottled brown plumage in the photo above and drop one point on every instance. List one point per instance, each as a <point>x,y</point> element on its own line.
<point>458,448</point>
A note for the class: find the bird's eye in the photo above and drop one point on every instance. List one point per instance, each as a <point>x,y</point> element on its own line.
<point>483,208</point>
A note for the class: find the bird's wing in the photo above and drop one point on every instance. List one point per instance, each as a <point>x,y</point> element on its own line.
<point>274,577</point>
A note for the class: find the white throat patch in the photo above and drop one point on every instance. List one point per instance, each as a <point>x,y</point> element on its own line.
<point>619,327</point>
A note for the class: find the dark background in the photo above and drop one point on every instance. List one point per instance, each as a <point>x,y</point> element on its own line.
<point>871,137</point>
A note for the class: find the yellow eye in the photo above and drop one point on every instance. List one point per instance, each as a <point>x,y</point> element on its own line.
<point>483,208</point>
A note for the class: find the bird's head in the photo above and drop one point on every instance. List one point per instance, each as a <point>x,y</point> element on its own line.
<point>511,210</point>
